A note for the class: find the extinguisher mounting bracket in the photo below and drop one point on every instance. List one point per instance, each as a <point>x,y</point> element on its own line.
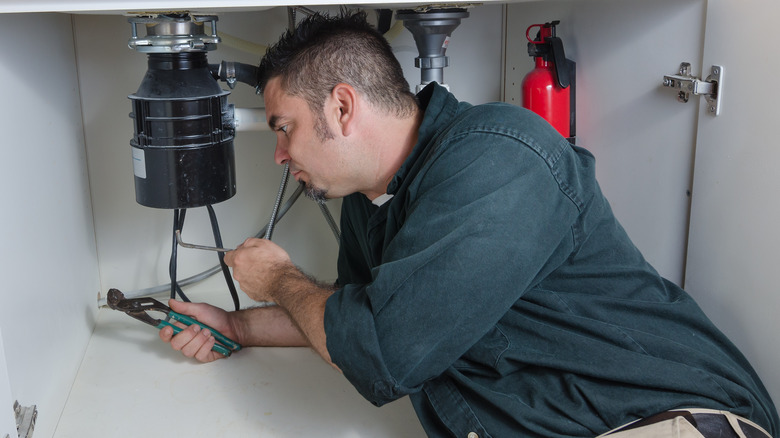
<point>686,85</point>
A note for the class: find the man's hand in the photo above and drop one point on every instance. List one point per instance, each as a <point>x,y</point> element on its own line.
<point>193,341</point>
<point>257,265</point>
<point>265,273</point>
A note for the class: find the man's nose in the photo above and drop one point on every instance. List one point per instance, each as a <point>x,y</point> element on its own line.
<point>280,154</point>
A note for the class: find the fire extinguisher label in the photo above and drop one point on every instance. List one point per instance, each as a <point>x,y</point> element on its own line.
<point>139,163</point>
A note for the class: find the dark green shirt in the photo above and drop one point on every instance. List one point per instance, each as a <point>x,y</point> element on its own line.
<point>497,290</point>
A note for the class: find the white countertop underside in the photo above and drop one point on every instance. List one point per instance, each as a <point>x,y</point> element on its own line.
<point>131,384</point>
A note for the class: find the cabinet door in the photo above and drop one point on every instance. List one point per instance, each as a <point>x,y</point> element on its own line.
<point>734,241</point>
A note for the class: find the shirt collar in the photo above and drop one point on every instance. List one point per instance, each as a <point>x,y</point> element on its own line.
<point>439,106</point>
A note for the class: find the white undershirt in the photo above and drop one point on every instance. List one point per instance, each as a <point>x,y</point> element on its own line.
<point>381,199</point>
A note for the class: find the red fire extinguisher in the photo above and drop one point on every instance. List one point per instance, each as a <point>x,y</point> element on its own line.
<point>549,89</point>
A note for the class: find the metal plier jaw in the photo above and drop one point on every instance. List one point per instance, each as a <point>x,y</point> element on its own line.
<point>138,308</point>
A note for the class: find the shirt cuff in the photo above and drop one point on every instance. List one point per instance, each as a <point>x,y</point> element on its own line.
<point>353,346</point>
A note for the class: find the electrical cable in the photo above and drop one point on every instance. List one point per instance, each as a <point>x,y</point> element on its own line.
<point>174,248</point>
<point>218,242</point>
<point>178,224</point>
<point>331,222</point>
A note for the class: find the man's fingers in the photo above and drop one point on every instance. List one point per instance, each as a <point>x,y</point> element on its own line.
<point>183,307</point>
<point>166,333</point>
<point>228,257</point>
<point>199,347</point>
<point>187,340</point>
<point>252,241</point>
<point>204,354</point>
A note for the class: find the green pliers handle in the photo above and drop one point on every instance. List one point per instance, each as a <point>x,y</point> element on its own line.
<point>224,345</point>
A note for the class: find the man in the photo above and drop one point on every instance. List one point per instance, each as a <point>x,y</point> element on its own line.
<point>481,271</point>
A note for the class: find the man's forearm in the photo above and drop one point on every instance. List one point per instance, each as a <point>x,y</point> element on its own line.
<point>304,301</point>
<point>267,327</point>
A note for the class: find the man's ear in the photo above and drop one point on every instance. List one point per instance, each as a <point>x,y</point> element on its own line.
<point>345,99</point>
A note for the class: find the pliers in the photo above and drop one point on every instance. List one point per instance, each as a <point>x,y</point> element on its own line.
<point>137,308</point>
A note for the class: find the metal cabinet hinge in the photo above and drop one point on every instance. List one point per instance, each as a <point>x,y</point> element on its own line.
<point>25,419</point>
<point>686,84</point>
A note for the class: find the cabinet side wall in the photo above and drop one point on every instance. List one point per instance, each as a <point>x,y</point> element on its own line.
<point>49,269</point>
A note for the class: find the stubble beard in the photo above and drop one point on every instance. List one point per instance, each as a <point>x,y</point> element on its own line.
<point>316,194</point>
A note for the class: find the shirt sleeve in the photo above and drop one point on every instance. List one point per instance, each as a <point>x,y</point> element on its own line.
<point>485,220</point>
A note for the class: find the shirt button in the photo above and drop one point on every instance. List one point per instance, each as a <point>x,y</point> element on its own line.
<point>472,435</point>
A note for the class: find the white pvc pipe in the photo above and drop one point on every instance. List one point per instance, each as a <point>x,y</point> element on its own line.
<point>250,119</point>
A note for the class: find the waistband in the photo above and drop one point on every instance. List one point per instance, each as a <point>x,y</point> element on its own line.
<point>709,422</point>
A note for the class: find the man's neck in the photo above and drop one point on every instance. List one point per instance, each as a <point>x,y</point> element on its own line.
<point>395,143</point>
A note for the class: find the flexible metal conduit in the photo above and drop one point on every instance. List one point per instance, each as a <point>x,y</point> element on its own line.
<point>282,187</point>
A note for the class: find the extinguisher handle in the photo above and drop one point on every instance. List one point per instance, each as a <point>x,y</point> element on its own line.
<point>528,34</point>
<point>546,30</point>
<point>559,59</point>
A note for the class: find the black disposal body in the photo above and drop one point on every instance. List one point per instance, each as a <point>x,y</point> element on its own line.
<point>183,155</point>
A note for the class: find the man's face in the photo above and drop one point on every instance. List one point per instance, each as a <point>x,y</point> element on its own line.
<point>305,141</point>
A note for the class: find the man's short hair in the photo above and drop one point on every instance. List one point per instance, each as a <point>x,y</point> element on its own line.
<point>324,51</point>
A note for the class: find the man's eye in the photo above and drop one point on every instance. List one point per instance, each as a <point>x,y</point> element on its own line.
<point>283,129</point>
